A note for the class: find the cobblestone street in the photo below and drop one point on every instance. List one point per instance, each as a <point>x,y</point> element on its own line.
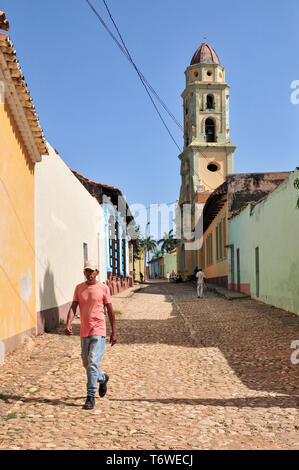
<point>185,374</point>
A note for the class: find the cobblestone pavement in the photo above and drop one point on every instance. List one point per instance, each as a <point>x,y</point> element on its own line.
<point>186,374</point>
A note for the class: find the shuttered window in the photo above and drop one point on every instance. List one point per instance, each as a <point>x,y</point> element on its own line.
<point>221,239</point>
<point>209,244</point>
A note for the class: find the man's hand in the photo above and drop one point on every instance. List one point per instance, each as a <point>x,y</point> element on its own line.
<point>68,330</point>
<point>70,317</point>
<point>111,316</point>
<point>113,339</point>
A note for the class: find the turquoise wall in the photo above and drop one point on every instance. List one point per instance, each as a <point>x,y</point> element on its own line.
<point>154,267</point>
<point>273,227</point>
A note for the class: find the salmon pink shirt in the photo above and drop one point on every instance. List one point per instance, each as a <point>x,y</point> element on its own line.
<point>92,299</point>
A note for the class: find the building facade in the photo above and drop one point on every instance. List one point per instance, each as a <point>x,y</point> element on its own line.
<point>155,268</point>
<point>169,263</point>
<point>22,146</point>
<point>69,230</point>
<point>264,237</point>
<point>218,255</point>
<point>118,244</point>
<point>213,252</point>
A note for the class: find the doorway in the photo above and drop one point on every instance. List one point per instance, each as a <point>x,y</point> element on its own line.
<point>257,271</point>
<point>238,271</point>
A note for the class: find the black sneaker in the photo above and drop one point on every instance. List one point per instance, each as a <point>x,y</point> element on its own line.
<point>89,404</point>
<point>103,386</point>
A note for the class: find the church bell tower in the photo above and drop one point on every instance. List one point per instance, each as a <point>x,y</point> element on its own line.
<point>208,155</point>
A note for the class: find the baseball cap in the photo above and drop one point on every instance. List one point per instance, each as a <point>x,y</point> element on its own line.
<point>90,264</point>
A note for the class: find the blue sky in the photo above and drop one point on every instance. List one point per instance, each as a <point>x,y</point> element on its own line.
<point>94,110</point>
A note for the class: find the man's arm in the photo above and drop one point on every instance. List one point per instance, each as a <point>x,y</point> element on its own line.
<point>113,337</point>
<point>70,316</point>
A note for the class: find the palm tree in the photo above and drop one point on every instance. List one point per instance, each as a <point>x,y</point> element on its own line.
<point>158,253</point>
<point>148,244</point>
<point>168,241</point>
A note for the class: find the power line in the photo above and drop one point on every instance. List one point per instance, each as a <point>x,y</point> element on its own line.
<point>139,72</point>
<point>126,53</point>
<point>143,80</point>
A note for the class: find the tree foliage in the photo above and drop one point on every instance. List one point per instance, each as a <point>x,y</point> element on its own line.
<point>168,242</point>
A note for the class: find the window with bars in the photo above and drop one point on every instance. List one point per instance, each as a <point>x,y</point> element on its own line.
<point>202,256</point>
<point>117,248</point>
<point>112,246</point>
<point>124,257</point>
<point>221,239</point>
<point>209,246</point>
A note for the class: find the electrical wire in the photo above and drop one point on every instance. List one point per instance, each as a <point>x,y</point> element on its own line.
<point>137,70</point>
<point>142,78</point>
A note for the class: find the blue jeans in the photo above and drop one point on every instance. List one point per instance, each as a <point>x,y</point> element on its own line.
<point>92,350</point>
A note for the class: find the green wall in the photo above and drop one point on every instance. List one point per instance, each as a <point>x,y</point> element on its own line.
<point>169,264</point>
<point>272,226</point>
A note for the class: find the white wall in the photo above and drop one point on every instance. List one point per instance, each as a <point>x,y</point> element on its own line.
<point>66,217</point>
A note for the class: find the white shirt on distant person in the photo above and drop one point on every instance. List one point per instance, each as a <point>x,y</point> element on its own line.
<point>200,277</point>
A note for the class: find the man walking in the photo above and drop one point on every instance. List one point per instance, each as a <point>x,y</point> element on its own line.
<point>200,275</point>
<point>92,296</point>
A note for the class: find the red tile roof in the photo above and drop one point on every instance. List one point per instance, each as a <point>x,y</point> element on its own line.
<point>4,23</point>
<point>79,176</point>
<point>16,90</point>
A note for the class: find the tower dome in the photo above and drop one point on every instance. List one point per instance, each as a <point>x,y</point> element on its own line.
<point>205,54</point>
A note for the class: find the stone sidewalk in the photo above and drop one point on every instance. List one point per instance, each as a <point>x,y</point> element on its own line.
<point>185,374</point>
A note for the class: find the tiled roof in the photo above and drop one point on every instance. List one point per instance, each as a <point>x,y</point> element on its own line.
<point>99,189</point>
<point>251,188</point>
<point>205,54</point>
<point>4,23</point>
<point>241,189</point>
<point>18,97</point>
<point>79,176</point>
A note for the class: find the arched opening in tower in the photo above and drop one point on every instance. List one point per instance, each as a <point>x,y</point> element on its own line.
<point>210,130</point>
<point>210,102</point>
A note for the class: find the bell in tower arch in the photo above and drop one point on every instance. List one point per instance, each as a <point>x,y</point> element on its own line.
<point>210,130</point>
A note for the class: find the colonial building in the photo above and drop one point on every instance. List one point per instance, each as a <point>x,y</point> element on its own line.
<point>155,265</point>
<point>208,155</point>
<point>118,243</point>
<point>263,239</point>
<point>69,229</point>
<point>22,146</point>
<point>219,255</point>
<point>169,263</point>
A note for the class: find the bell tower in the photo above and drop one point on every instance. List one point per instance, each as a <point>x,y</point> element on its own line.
<point>208,155</point>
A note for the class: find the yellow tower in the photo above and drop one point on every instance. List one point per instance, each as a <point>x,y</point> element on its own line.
<point>208,155</point>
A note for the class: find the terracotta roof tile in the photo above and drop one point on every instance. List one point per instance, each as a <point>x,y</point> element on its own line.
<point>205,54</point>
<point>94,182</point>
<point>13,78</point>
<point>4,23</point>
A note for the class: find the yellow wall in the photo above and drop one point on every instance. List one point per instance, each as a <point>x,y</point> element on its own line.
<point>213,179</point>
<point>139,267</point>
<point>17,245</point>
<point>217,269</point>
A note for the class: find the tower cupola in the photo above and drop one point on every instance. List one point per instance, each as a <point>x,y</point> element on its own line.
<point>205,54</point>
